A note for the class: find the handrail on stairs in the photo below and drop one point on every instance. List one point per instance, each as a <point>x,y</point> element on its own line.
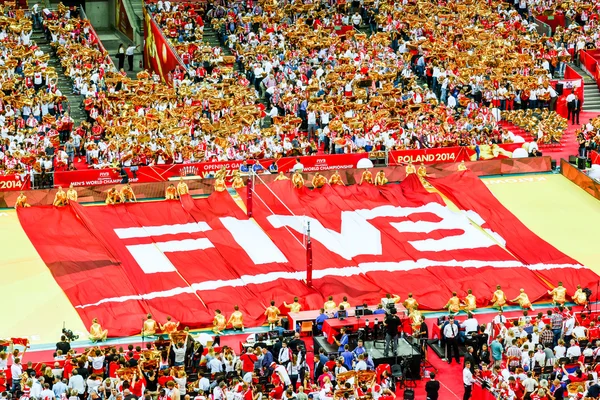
<point>136,22</point>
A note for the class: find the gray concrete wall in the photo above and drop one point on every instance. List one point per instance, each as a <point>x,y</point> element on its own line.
<point>99,13</point>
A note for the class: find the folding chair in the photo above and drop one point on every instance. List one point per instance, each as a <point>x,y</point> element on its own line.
<point>306,327</point>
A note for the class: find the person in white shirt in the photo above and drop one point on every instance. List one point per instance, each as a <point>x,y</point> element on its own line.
<point>468,380</point>
<point>470,324</point>
<point>16,370</point>
<point>574,350</point>
<point>560,350</point>
<point>284,354</point>
<point>282,372</point>
<point>76,382</point>
<point>179,352</point>
<point>361,365</point>
<point>215,365</point>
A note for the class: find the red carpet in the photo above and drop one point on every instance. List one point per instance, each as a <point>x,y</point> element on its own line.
<point>569,139</point>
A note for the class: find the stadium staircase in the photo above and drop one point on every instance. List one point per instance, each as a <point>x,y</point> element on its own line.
<point>64,83</point>
<point>591,94</point>
<point>544,148</point>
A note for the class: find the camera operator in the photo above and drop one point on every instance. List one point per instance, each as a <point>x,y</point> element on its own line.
<point>391,324</point>
<point>63,345</point>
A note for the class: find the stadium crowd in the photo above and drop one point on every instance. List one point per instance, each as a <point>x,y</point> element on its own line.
<point>302,79</point>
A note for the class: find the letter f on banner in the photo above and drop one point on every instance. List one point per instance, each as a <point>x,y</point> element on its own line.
<point>152,259</point>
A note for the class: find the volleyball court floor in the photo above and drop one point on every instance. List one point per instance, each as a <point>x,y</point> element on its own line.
<point>35,306</point>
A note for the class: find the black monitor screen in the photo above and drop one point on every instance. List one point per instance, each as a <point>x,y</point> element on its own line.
<point>289,333</point>
<point>342,314</point>
<point>262,336</point>
<point>359,311</point>
<point>273,334</point>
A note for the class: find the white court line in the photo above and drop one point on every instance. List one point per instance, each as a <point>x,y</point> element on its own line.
<point>361,268</point>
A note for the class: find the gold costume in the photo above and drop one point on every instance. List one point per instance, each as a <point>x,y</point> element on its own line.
<point>127,193</point>
<point>281,177</point>
<point>367,177</point>
<point>96,332</point>
<point>380,179</point>
<point>453,304</point>
<point>71,194</point>
<point>422,171</point>
<point>171,193</point>
<point>579,297</point>
<point>169,327</point>
<point>410,304</point>
<point>410,169</point>
<point>60,198</point>
<point>470,302</point>
<point>219,323</point>
<point>294,307</point>
<point>150,326</point>
<point>330,306</point>
<point>221,174</point>
<point>236,320</point>
<point>220,185</point>
<point>113,196</point>
<point>336,179</point>
<point>318,181</point>
<point>182,187</point>
<point>559,294</point>
<point>462,166</point>
<point>272,314</point>
<point>498,299</point>
<point>523,300</point>
<point>238,181</point>
<point>21,201</point>
<point>297,180</point>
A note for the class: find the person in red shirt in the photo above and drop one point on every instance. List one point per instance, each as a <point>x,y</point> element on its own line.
<point>516,386</point>
<point>248,359</point>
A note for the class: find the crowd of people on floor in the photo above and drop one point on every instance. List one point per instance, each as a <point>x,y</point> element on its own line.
<point>301,78</point>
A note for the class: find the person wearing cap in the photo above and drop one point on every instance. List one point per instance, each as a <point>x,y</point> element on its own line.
<point>451,332</point>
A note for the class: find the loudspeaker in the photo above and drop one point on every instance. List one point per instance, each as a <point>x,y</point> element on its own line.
<point>581,162</point>
<point>573,160</point>
<point>553,164</point>
<point>559,88</point>
<point>285,323</point>
<point>409,394</point>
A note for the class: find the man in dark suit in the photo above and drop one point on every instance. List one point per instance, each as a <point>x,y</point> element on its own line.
<point>575,109</point>
<point>470,357</point>
<point>266,362</point>
<point>318,371</point>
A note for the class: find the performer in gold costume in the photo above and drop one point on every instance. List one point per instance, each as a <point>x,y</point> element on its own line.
<point>579,297</point>
<point>295,306</point>
<point>169,326</point>
<point>281,177</point>
<point>171,193</point>
<point>470,301</point>
<point>422,173</point>
<point>410,303</point>
<point>60,198</point>
<point>298,180</point>
<point>367,177</point>
<point>236,320</point>
<point>559,294</point>
<point>380,178</point>
<point>238,181</point>
<point>219,323</point>
<point>96,332</point>
<point>220,185</point>
<point>498,298</point>
<point>462,166</point>
<point>410,168</point>
<point>127,194</point>
<point>336,179</point>
<point>523,300</point>
<point>221,173</point>
<point>71,194</point>
<point>330,307</point>
<point>272,314</point>
<point>318,180</point>
<point>344,303</point>
<point>21,201</point>
<point>113,196</point>
<point>150,326</point>
<point>453,304</point>
<point>182,187</point>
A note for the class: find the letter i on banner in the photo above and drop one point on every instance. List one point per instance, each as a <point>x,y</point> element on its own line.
<point>250,186</point>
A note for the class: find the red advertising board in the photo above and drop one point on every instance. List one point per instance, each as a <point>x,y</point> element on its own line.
<point>122,22</point>
<point>427,156</point>
<point>323,162</point>
<point>14,182</point>
<point>159,56</point>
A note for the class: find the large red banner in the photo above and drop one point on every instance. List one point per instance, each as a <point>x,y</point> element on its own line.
<point>14,182</point>
<point>595,156</point>
<point>188,258</point>
<point>159,56</point>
